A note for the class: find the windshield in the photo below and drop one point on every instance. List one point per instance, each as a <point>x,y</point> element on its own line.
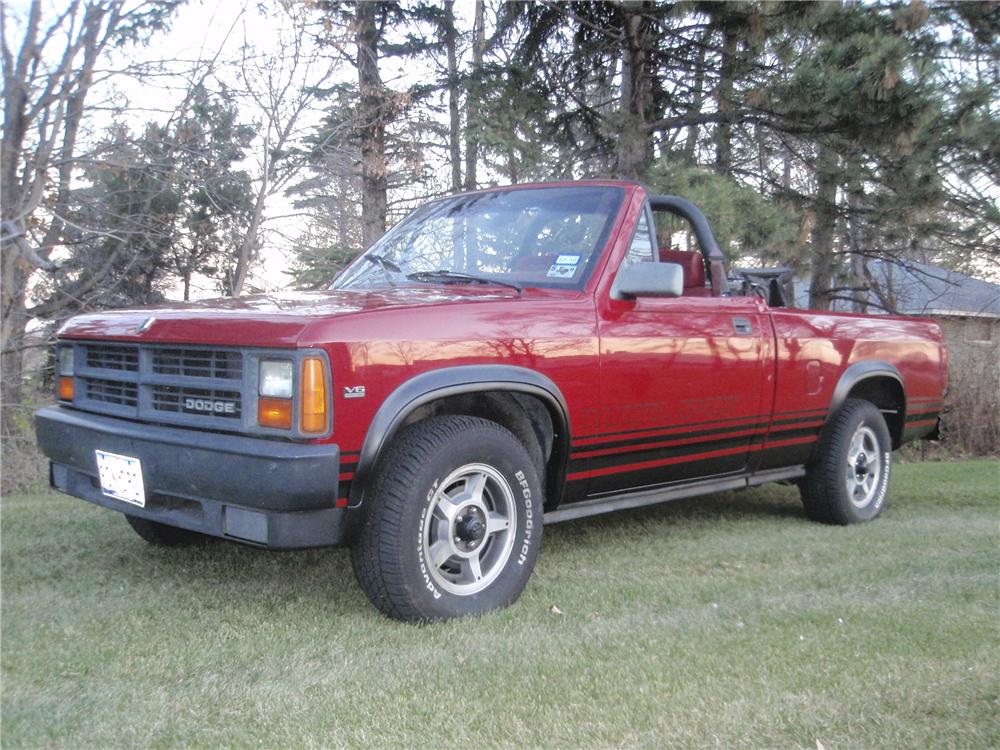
<point>547,237</point>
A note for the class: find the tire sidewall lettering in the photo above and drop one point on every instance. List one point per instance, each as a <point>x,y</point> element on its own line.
<point>424,572</point>
<point>883,489</point>
<point>529,521</point>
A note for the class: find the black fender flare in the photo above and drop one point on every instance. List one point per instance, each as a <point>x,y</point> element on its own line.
<point>450,381</point>
<point>859,371</point>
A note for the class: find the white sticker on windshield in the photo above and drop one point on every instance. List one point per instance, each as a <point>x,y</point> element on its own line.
<point>557,271</point>
<point>567,260</point>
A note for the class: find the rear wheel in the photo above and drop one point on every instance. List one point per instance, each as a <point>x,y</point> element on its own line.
<point>452,526</point>
<point>162,535</point>
<point>848,479</point>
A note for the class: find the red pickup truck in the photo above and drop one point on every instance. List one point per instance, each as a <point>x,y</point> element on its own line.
<point>497,360</point>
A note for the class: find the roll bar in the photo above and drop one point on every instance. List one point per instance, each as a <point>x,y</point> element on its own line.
<point>710,250</point>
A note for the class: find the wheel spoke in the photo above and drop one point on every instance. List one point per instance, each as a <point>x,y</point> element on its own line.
<point>868,483</point>
<point>440,552</point>
<point>474,487</point>
<point>448,507</point>
<point>496,522</point>
<point>474,569</point>
<point>852,486</point>
<point>855,450</point>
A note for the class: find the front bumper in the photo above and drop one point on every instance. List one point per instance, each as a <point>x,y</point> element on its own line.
<point>263,492</point>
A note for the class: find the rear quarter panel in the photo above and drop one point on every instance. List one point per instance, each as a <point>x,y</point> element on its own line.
<point>814,349</point>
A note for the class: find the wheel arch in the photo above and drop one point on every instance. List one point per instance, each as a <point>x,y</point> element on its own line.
<point>426,389</point>
<point>880,383</point>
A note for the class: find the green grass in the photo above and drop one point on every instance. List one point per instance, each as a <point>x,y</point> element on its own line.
<point>721,622</point>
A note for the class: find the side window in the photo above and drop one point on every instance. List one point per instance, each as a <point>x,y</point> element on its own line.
<point>641,248</point>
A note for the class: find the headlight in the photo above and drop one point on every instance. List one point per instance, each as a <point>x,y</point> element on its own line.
<point>65,356</point>
<point>276,379</point>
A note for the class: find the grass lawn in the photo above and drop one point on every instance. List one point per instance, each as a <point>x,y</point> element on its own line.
<point>728,621</point>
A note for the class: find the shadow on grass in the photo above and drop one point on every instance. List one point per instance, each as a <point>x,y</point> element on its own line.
<point>325,574</point>
<point>773,501</point>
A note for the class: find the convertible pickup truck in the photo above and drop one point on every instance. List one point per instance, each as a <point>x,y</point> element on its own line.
<point>497,361</point>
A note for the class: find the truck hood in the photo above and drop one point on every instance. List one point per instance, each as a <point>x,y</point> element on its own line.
<point>263,319</point>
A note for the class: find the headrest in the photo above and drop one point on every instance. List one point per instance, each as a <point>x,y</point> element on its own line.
<point>691,262</point>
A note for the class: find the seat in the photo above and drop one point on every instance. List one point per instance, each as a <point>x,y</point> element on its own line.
<point>693,266</point>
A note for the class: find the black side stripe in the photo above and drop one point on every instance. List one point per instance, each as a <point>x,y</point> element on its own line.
<point>761,417</point>
<point>759,425</point>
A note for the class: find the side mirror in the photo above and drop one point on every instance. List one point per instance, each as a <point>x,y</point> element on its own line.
<point>648,280</point>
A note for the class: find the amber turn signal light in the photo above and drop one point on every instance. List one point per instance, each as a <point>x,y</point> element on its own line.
<point>312,400</point>
<point>274,412</point>
<point>65,388</point>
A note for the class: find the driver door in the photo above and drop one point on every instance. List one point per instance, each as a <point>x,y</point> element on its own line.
<point>682,385</point>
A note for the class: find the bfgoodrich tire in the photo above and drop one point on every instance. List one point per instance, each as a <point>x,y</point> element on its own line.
<point>848,480</point>
<point>162,535</point>
<point>453,523</point>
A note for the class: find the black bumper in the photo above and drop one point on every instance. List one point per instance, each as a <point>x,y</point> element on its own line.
<point>263,492</point>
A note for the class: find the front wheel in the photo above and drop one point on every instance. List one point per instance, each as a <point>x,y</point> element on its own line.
<point>848,479</point>
<point>453,523</point>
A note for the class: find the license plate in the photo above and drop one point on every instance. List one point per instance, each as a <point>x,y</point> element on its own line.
<point>121,478</point>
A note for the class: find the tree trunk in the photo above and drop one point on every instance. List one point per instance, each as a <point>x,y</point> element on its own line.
<point>691,144</point>
<point>455,124</point>
<point>724,130</point>
<point>823,265</point>
<point>859,296</point>
<point>471,100</point>
<point>635,145</point>
<point>374,178</point>
<point>15,320</point>
<point>245,253</point>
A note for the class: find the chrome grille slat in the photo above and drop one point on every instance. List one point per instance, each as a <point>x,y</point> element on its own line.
<point>114,392</point>
<point>112,357</point>
<point>198,363</point>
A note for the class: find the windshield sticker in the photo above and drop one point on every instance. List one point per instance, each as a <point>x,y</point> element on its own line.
<point>567,260</point>
<point>557,271</point>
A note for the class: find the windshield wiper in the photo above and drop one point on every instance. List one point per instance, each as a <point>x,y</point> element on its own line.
<point>383,262</point>
<point>457,276</point>
<point>386,265</point>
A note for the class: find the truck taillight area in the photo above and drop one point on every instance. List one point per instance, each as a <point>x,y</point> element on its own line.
<point>944,366</point>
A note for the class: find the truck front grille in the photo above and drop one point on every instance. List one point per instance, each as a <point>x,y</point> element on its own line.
<point>172,384</point>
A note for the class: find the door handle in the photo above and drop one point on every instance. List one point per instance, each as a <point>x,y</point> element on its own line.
<point>742,325</point>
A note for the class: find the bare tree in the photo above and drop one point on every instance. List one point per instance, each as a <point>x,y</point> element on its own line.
<point>282,87</point>
<point>47,79</point>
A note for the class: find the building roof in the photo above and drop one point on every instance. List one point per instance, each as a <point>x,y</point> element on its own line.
<point>921,289</point>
